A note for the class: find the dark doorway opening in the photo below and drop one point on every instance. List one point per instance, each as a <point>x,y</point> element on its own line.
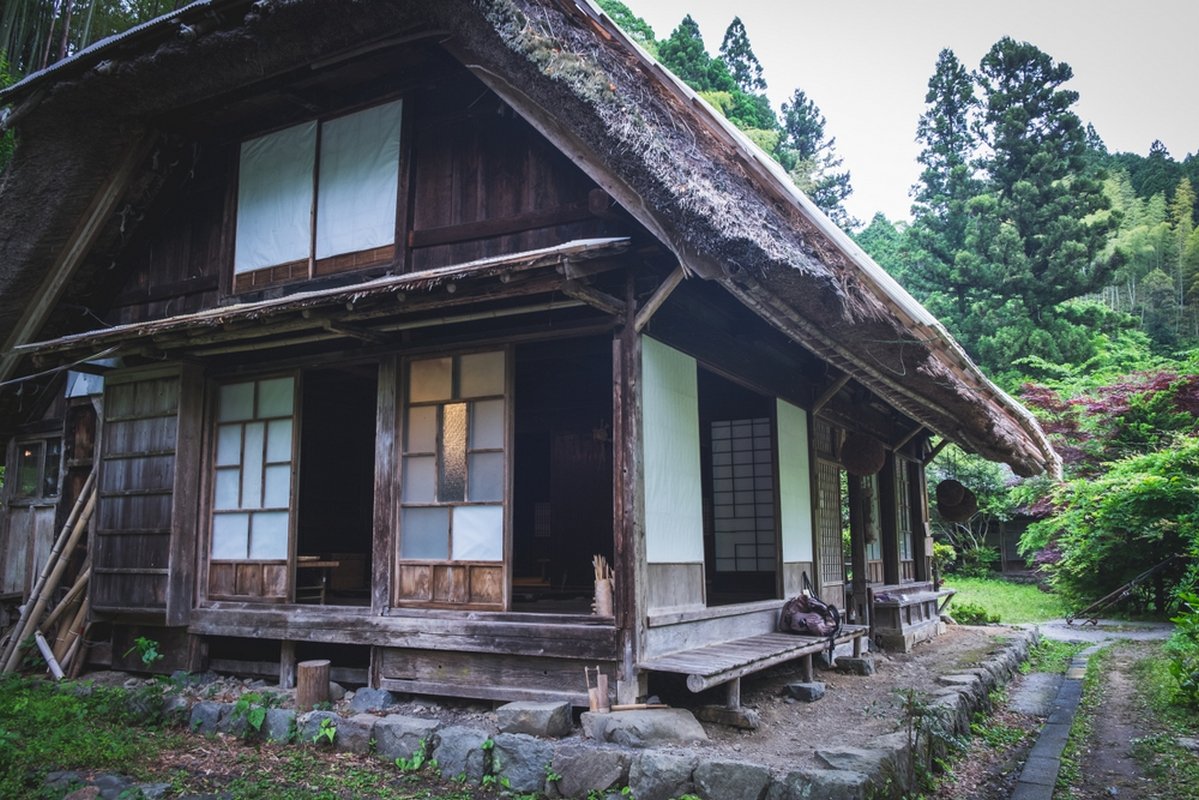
<point>562,492</point>
<point>337,484</point>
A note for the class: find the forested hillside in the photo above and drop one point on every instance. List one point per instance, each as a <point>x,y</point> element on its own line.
<point>1069,273</point>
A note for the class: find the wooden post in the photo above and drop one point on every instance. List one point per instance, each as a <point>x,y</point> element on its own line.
<point>287,665</point>
<point>312,683</point>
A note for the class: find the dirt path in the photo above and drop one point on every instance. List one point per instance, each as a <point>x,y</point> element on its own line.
<point>1107,768</point>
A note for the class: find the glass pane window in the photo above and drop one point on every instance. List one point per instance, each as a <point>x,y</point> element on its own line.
<point>252,480</point>
<point>454,475</point>
<point>29,466</point>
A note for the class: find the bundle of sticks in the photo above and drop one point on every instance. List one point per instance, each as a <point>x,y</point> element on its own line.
<point>70,613</point>
<point>603,586</point>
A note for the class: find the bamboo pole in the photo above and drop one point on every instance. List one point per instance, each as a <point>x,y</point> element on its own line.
<point>79,655</point>
<point>73,632</point>
<point>71,597</point>
<point>55,670</point>
<point>51,583</point>
<point>19,630</point>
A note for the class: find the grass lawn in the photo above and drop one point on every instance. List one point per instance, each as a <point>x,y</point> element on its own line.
<point>1013,602</point>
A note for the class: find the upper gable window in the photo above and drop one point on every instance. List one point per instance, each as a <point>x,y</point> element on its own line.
<point>318,197</point>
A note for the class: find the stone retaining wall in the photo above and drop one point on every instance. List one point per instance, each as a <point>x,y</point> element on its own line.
<point>529,755</point>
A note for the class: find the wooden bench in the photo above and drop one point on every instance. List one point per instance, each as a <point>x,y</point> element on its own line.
<point>728,662</point>
<point>907,613</point>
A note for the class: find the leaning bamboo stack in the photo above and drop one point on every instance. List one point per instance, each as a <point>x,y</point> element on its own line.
<point>71,612</point>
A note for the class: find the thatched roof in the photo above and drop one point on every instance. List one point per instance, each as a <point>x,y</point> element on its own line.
<point>724,208</point>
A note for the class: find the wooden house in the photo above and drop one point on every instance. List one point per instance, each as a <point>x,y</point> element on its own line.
<point>377,321</point>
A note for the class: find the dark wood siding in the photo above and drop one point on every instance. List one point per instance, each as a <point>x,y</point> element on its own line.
<point>143,557</point>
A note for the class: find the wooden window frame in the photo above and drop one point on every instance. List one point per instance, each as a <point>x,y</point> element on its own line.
<point>408,570</point>
<point>14,479</point>
<point>311,268</point>
<point>210,511</point>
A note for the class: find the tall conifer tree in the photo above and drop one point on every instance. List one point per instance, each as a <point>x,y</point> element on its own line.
<point>739,57</point>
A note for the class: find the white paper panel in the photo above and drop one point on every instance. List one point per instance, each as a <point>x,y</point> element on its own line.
<point>268,535</point>
<point>420,479</point>
<point>795,482</point>
<point>429,379</point>
<point>277,489</point>
<point>479,533</point>
<point>481,374</point>
<point>487,425</point>
<point>275,397</point>
<point>236,402</point>
<point>278,440</point>
<point>670,439</point>
<point>425,533</point>
<point>228,484</point>
<point>485,477</point>
<point>359,166</point>
<point>274,198</point>
<point>228,446</point>
<point>251,481</point>
<point>422,429</point>
<point>230,535</point>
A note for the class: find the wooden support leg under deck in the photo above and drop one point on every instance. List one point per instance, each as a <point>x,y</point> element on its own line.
<point>733,700</point>
<point>809,674</point>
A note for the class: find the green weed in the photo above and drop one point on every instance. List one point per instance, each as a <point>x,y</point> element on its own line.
<point>1051,656</point>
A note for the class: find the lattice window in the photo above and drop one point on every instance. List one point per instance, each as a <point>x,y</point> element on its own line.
<point>828,523</point>
<point>743,495</point>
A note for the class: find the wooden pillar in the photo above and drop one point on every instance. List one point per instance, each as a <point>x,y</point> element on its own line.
<point>383,547</point>
<point>312,683</point>
<point>858,496</point>
<point>888,520</point>
<point>628,503</point>
<point>921,532</point>
<point>287,665</point>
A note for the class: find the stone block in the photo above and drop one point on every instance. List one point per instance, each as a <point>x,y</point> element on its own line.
<point>658,775</point>
<point>310,730</point>
<point>521,759</point>
<point>807,692</point>
<point>205,716</point>
<point>460,752</point>
<point>821,784</point>
<point>354,733</point>
<point>587,768</point>
<point>368,699</point>
<point>856,666</point>
<point>279,725</point>
<point>535,719</point>
<point>400,736</point>
<point>731,780</point>
<point>644,728</point>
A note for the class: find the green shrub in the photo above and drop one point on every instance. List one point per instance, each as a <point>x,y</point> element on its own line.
<point>972,614</point>
<point>1183,649</point>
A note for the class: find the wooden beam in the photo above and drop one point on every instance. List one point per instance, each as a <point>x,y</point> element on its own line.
<point>907,437</point>
<point>353,331</point>
<point>659,296</point>
<point>935,451</point>
<point>72,253</point>
<point>830,393</point>
<point>594,298</point>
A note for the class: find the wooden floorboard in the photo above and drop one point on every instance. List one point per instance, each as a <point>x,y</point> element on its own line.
<point>738,653</point>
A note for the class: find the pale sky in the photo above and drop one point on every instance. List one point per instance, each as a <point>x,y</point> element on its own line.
<point>866,64</point>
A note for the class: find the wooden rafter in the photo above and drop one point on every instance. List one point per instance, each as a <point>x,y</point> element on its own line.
<point>659,297</point>
<point>593,297</point>
<point>830,393</point>
<point>935,451</point>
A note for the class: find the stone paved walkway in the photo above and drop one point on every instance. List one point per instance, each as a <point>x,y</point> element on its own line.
<point>1040,771</point>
